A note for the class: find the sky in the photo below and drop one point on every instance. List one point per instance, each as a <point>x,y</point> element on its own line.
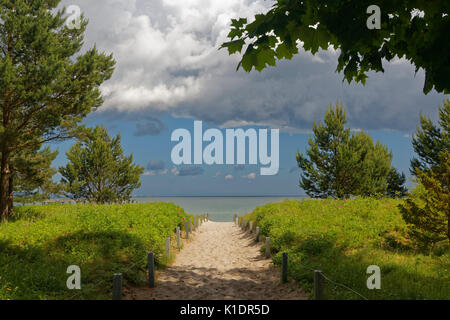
<point>170,72</point>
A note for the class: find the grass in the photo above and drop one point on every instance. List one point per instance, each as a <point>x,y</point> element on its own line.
<point>343,237</point>
<point>41,242</point>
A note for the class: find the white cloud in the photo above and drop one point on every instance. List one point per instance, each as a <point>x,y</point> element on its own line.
<point>168,62</point>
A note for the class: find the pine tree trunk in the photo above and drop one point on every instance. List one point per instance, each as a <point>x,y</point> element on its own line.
<point>4,186</point>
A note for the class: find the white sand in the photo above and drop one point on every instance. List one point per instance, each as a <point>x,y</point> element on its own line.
<point>221,262</point>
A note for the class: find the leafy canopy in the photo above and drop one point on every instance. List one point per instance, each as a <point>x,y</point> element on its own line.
<point>431,140</point>
<point>47,85</point>
<point>339,164</point>
<point>98,171</point>
<point>427,210</point>
<point>423,40</point>
<point>33,173</point>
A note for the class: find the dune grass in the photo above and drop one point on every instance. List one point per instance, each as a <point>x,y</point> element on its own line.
<point>343,237</point>
<point>40,242</point>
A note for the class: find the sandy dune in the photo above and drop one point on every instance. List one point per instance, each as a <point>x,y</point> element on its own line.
<point>221,262</point>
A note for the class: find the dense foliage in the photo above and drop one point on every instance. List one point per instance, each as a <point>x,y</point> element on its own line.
<point>396,184</point>
<point>427,210</point>
<point>98,171</point>
<point>46,84</point>
<point>431,140</point>
<point>343,237</point>
<point>416,30</point>
<point>339,164</point>
<point>41,242</point>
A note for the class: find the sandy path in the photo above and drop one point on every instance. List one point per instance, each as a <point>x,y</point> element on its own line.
<point>221,262</point>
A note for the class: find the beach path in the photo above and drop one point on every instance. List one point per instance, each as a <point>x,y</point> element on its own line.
<point>220,262</point>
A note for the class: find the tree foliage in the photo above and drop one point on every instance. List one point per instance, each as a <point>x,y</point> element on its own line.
<point>396,184</point>
<point>339,164</point>
<point>98,171</point>
<point>423,40</point>
<point>32,175</point>
<point>431,140</point>
<point>46,85</point>
<point>427,210</point>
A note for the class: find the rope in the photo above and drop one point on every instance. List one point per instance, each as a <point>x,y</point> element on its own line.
<point>344,286</point>
<point>332,281</point>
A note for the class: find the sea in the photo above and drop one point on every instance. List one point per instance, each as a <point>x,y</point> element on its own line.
<point>220,209</point>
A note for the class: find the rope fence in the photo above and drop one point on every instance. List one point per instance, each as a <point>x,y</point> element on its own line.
<point>319,276</point>
<point>117,278</point>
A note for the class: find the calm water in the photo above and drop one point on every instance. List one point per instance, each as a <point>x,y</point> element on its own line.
<point>219,208</point>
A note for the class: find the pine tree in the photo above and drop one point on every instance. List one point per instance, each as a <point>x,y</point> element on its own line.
<point>98,171</point>
<point>46,85</point>
<point>32,175</point>
<point>339,164</point>
<point>396,184</point>
<point>430,140</point>
<point>427,210</point>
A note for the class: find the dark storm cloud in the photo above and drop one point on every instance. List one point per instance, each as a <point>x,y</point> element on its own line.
<point>156,165</point>
<point>190,171</point>
<point>149,128</point>
<point>168,64</point>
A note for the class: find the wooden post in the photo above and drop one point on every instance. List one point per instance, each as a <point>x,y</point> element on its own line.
<point>318,285</point>
<point>151,270</point>
<point>187,230</point>
<point>168,247</point>
<point>251,226</point>
<point>257,234</point>
<point>117,286</point>
<point>267,247</point>
<point>284,273</point>
<point>178,238</point>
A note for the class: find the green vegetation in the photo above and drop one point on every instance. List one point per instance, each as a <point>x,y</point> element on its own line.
<point>427,210</point>
<point>431,140</point>
<point>39,243</point>
<point>98,171</point>
<point>422,39</point>
<point>339,164</point>
<point>343,237</point>
<point>47,85</point>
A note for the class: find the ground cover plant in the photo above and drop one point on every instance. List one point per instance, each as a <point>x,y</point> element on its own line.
<point>40,242</point>
<point>343,237</point>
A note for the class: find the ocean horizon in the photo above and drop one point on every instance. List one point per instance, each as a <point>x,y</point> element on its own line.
<point>220,209</point>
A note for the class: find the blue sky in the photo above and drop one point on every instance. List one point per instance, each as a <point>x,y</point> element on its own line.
<point>153,153</point>
<point>170,72</point>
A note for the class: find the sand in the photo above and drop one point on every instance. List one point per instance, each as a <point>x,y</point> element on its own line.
<point>219,262</point>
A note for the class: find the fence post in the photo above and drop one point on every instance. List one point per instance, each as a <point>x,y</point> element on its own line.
<point>267,247</point>
<point>178,238</point>
<point>168,247</point>
<point>117,286</point>
<point>284,273</point>
<point>257,234</point>
<point>187,230</point>
<point>318,285</point>
<point>251,226</point>
<point>151,270</point>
